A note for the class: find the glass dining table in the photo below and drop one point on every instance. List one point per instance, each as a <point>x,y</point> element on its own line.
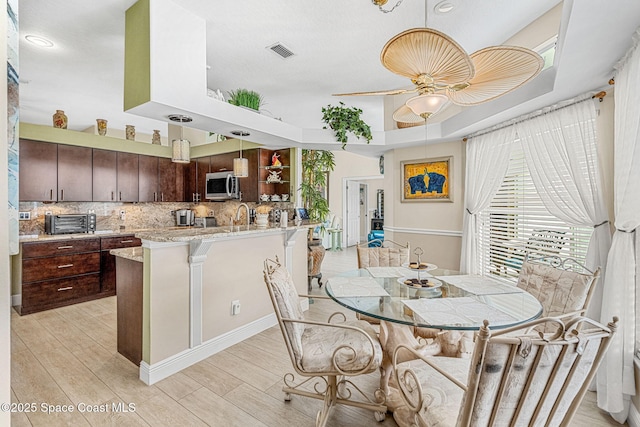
<point>409,302</point>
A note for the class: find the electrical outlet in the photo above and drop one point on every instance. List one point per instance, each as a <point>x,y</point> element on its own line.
<point>122,215</point>
<point>47,212</point>
<point>24,216</point>
<point>235,307</point>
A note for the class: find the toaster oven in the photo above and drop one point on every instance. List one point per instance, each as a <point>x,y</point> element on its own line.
<point>69,223</point>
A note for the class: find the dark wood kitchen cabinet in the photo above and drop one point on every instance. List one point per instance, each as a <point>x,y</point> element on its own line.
<point>54,172</point>
<point>223,162</point>
<point>38,171</point>
<point>105,176</point>
<point>148,179</point>
<point>75,175</point>
<point>127,171</point>
<point>108,261</point>
<point>59,273</point>
<point>160,180</point>
<point>195,179</point>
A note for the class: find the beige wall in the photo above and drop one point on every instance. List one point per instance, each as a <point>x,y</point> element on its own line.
<point>436,227</point>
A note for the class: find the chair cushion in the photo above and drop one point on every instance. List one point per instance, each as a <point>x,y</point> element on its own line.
<point>382,257</point>
<point>320,342</point>
<point>559,291</point>
<point>441,398</point>
<point>289,306</point>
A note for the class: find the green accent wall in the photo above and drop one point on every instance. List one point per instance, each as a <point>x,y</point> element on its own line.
<point>137,55</point>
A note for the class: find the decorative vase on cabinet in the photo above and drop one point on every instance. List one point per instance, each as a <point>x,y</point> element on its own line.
<point>59,120</point>
<point>102,127</point>
<point>155,138</point>
<point>130,132</point>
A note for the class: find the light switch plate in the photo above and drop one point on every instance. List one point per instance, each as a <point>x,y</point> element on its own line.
<point>24,216</point>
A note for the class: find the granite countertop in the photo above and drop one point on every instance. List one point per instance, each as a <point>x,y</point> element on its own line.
<point>167,234</point>
<point>186,234</point>
<point>133,254</point>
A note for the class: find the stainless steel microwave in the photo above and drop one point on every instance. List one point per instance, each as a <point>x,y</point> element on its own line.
<point>222,186</point>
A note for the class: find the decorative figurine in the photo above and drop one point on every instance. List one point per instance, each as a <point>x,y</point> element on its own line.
<point>275,161</point>
<point>274,177</point>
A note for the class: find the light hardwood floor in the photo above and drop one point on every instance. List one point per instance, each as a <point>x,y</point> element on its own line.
<point>68,356</point>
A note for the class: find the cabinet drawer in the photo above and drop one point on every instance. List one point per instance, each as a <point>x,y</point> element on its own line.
<point>107,243</point>
<point>59,247</point>
<point>44,294</point>
<point>37,269</point>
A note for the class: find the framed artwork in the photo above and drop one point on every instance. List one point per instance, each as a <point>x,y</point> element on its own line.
<point>427,180</point>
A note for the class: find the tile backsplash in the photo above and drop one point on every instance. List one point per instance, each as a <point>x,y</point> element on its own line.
<point>136,215</point>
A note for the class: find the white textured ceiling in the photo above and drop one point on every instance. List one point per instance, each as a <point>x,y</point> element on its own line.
<point>337,48</point>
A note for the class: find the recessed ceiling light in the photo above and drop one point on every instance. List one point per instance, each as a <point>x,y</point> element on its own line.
<point>443,7</point>
<point>38,41</point>
<point>179,118</point>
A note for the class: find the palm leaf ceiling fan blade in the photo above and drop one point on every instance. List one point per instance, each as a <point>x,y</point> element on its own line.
<point>425,51</point>
<point>499,70</point>
<point>379,92</point>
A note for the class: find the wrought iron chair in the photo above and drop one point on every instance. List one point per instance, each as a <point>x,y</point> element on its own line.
<point>540,243</point>
<point>563,286</point>
<point>327,354</point>
<point>387,254</point>
<point>515,376</point>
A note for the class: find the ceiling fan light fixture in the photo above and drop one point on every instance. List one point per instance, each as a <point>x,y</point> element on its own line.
<point>427,105</point>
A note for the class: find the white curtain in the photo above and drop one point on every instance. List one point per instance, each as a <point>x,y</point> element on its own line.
<point>487,163</point>
<point>561,152</point>
<point>615,378</point>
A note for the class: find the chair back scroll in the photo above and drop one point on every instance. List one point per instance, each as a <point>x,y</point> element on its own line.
<point>388,254</point>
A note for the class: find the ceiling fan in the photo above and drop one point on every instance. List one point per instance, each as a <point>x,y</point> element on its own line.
<point>443,72</point>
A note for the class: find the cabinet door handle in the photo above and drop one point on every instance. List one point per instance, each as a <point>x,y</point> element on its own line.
<point>68,288</point>
<point>112,195</point>
<point>126,241</point>
<point>155,196</point>
<point>65,266</point>
<point>65,247</point>
<point>51,194</point>
<point>162,197</point>
<point>62,194</point>
<point>120,193</point>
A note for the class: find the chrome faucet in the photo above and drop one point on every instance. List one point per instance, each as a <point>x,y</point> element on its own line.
<point>238,213</point>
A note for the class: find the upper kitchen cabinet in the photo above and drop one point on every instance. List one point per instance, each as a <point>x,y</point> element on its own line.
<point>160,180</point>
<point>105,177</point>
<point>127,171</point>
<point>223,162</point>
<point>38,171</point>
<point>195,179</point>
<point>53,172</point>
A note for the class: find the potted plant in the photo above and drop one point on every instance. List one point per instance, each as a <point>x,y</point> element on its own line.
<point>315,167</point>
<point>246,98</point>
<point>342,119</point>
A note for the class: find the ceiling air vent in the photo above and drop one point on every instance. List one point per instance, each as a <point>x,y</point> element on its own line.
<point>281,50</point>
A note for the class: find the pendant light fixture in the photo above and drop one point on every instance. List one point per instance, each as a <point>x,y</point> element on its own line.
<point>180,147</point>
<point>240,165</point>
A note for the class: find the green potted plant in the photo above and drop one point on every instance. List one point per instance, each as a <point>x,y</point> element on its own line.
<point>315,167</point>
<point>246,98</point>
<point>342,119</point>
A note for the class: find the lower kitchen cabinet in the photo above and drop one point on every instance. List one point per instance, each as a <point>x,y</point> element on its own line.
<point>59,273</point>
<point>68,271</point>
<point>108,261</point>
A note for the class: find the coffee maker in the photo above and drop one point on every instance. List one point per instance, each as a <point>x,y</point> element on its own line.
<point>185,217</point>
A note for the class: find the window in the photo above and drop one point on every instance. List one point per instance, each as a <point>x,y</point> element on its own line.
<point>516,223</point>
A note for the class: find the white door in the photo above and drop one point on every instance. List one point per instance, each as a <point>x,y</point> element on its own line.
<point>353,213</point>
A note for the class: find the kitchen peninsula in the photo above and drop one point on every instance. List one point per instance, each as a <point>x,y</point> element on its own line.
<point>203,289</point>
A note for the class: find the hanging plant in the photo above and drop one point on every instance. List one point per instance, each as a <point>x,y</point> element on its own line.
<point>246,98</point>
<point>343,119</point>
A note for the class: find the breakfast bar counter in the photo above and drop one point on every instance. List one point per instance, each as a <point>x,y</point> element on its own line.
<point>203,289</point>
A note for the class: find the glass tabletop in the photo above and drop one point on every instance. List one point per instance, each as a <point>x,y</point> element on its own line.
<point>439,298</point>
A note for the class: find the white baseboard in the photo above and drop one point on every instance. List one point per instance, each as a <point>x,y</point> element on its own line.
<point>151,374</point>
<point>16,300</point>
<point>634,416</point>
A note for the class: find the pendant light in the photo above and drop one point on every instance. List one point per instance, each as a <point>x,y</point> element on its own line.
<point>180,147</point>
<point>240,165</point>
